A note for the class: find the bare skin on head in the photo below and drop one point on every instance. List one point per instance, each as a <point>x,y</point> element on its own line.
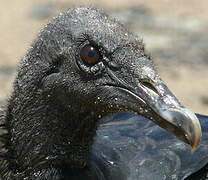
<point>83,66</point>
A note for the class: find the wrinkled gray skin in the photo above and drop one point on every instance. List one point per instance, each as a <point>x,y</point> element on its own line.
<point>54,111</point>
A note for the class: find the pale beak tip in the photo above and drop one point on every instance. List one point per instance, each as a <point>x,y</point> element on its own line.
<point>186,126</point>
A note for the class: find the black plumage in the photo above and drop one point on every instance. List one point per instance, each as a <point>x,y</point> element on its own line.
<point>85,65</point>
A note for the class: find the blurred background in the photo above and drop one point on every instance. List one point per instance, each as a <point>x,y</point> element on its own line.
<point>175,32</point>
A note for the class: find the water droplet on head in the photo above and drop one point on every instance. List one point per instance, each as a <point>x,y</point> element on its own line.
<point>141,110</point>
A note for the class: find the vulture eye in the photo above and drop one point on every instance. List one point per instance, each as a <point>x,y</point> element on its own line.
<point>90,54</point>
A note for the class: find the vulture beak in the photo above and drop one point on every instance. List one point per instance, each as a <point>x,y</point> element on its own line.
<point>183,123</point>
<point>157,103</point>
<point>169,114</point>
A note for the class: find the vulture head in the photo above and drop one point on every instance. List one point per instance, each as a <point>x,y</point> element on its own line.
<point>82,66</point>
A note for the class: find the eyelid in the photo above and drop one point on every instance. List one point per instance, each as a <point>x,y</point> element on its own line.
<point>84,38</point>
<point>87,39</point>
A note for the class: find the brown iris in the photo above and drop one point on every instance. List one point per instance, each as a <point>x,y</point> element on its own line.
<point>90,54</point>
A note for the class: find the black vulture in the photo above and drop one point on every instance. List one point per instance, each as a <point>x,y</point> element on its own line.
<point>83,66</point>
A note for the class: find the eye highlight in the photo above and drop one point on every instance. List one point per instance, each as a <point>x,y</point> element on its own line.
<point>89,54</point>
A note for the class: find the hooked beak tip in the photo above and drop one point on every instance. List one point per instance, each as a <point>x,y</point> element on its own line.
<point>194,133</point>
<point>184,125</point>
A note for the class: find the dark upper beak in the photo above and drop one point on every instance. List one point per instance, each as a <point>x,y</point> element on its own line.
<point>158,104</point>
<point>151,98</point>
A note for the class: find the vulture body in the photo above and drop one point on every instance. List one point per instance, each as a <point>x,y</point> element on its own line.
<point>83,66</point>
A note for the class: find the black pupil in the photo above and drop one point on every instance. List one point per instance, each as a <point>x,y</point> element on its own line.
<point>90,54</point>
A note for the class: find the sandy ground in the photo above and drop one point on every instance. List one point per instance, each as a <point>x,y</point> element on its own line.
<point>18,29</point>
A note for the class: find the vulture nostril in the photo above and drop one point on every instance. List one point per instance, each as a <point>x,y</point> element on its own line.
<point>147,83</point>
